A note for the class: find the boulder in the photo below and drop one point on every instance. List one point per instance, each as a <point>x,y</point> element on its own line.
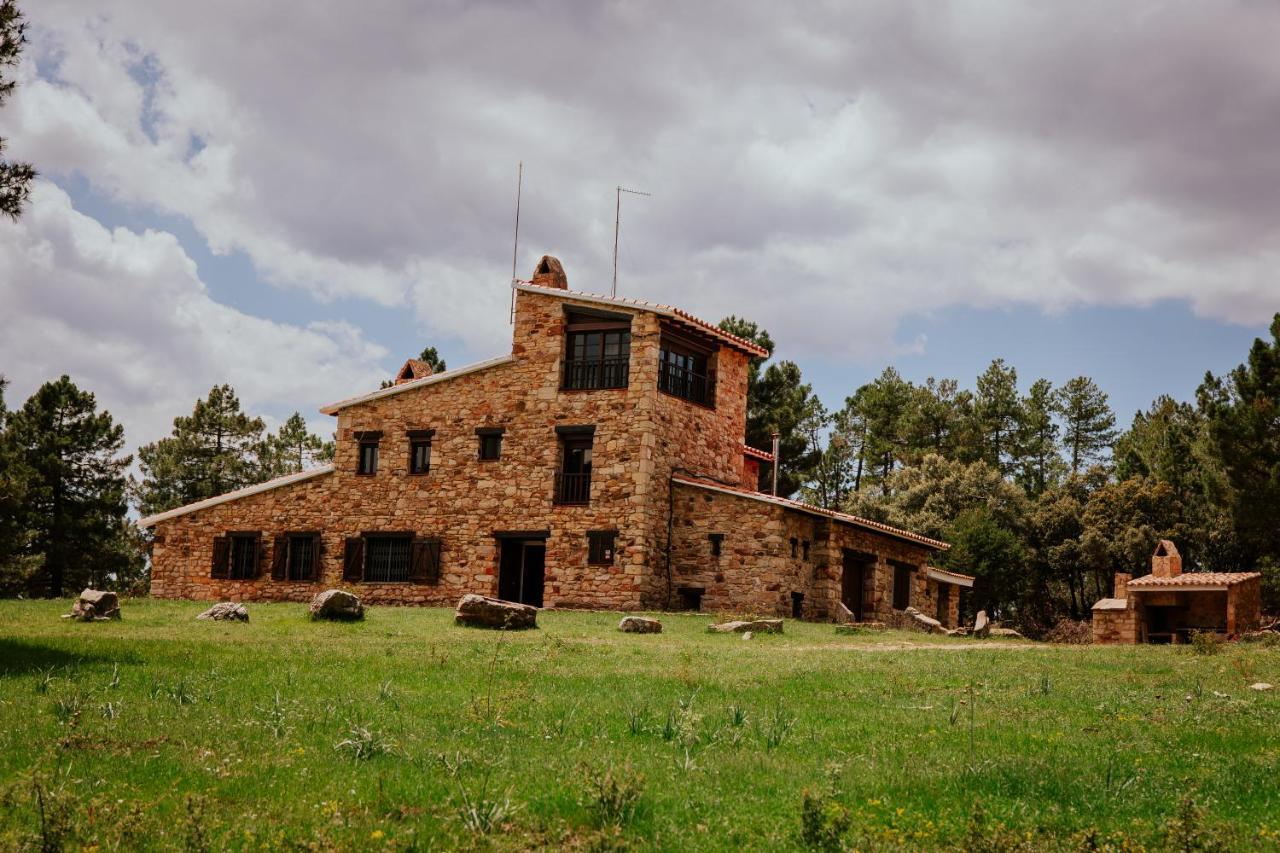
<point>925,623</point>
<point>639,625</point>
<point>226,611</point>
<point>480,611</point>
<point>336,604</point>
<point>1260,685</point>
<point>1007,633</point>
<point>981,625</point>
<point>756,626</point>
<point>843,614</point>
<point>95,605</point>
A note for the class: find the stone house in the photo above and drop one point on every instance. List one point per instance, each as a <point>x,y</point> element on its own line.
<point>599,464</point>
<point>1167,606</point>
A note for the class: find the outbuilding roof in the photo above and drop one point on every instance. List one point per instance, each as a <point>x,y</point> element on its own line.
<point>1192,580</point>
<point>679,314</point>
<point>756,453</point>
<point>948,576</point>
<point>1111,604</point>
<point>800,506</point>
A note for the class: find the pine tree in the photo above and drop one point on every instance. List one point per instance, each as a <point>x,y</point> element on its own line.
<point>940,413</point>
<point>431,357</point>
<point>215,450</point>
<point>996,414</point>
<point>15,477</point>
<point>1088,424</point>
<point>292,448</point>
<point>886,406</point>
<point>75,501</point>
<point>15,178</point>
<point>1039,463</point>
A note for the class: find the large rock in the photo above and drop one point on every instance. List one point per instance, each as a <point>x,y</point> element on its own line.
<point>981,625</point>
<point>1007,633</point>
<point>756,626</point>
<point>925,623</point>
<point>843,614</point>
<point>336,604</point>
<point>95,605</point>
<point>226,611</point>
<point>639,625</point>
<point>480,611</point>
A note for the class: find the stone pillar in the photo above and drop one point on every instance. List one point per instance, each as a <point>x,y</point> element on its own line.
<point>1122,585</point>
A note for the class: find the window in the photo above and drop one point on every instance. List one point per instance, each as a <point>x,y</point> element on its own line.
<point>804,550</point>
<point>797,605</point>
<point>296,557</point>
<point>690,597</point>
<point>717,540</point>
<point>490,443</point>
<point>573,480</point>
<point>901,587</point>
<point>380,557</point>
<point>597,352</point>
<point>387,559</point>
<point>420,451</point>
<point>367,461</point>
<point>244,556</point>
<point>795,543</point>
<point>600,547</point>
<point>683,370</point>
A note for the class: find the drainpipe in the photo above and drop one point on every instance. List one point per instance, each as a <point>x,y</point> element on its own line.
<point>776,454</point>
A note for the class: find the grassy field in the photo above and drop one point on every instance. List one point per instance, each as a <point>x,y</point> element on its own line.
<point>404,731</point>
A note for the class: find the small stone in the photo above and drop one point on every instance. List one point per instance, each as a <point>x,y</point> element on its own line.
<point>759,626</point>
<point>981,625</point>
<point>747,635</point>
<point>95,605</point>
<point>1261,685</point>
<point>1007,633</point>
<point>925,623</point>
<point>226,611</point>
<point>336,604</point>
<point>639,625</point>
<point>480,611</point>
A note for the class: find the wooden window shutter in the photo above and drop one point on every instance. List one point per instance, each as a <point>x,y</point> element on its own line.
<point>424,561</point>
<point>353,559</point>
<point>315,558</point>
<point>280,558</point>
<point>221,567</point>
<point>258,554</point>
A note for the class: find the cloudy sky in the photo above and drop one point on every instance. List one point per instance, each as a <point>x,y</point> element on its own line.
<point>293,197</point>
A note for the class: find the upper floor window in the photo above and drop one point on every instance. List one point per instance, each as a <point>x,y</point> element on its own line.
<point>490,443</point>
<point>573,480</point>
<point>684,370</point>
<point>597,351</point>
<point>717,543</point>
<point>367,460</point>
<point>420,451</point>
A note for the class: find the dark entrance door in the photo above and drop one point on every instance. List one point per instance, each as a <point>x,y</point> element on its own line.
<point>852,585</point>
<point>522,570</point>
<point>944,602</point>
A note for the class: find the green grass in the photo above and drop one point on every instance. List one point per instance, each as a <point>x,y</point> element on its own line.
<point>405,731</point>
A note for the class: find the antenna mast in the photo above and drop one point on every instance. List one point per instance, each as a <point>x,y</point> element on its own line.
<point>617,224</point>
<point>515,245</point>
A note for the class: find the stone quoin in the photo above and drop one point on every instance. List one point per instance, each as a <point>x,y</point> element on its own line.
<point>600,464</point>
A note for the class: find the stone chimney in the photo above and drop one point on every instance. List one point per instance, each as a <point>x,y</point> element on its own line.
<point>1166,562</point>
<point>413,369</point>
<point>549,273</point>
<point>1122,585</point>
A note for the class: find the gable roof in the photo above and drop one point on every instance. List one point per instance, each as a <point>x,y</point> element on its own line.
<point>258,488</point>
<point>677,314</point>
<point>799,506</point>
<point>1192,581</point>
<point>444,376</point>
<point>414,368</point>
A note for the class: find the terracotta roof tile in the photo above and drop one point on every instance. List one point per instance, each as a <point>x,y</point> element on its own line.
<point>1222,579</point>
<point>800,506</point>
<point>749,347</point>
<point>754,453</point>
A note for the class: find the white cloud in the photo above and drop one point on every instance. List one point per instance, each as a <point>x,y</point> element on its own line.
<point>126,316</point>
<point>826,170</point>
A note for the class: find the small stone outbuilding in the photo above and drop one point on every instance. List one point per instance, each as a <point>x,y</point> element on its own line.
<point>1168,606</point>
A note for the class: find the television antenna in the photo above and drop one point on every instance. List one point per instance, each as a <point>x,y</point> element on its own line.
<point>617,224</point>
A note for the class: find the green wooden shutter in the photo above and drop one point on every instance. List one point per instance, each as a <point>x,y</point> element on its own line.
<point>353,559</point>
<point>221,566</point>
<point>280,558</point>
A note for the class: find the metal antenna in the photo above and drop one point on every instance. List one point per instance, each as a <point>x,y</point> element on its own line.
<point>515,246</point>
<point>617,224</point>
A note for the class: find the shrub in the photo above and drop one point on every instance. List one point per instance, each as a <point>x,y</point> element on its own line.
<point>612,797</point>
<point>1076,632</point>
<point>1205,643</point>
<point>823,822</point>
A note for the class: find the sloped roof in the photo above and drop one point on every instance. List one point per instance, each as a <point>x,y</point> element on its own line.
<point>444,376</point>
<point>1192,580</point>
<point>414,368</point>
<point>1111,604</point>
<point>278,482</point>
<point>742,344</point>
<point>800,506</point>
<point>948,576</point>
<point>754,453</point>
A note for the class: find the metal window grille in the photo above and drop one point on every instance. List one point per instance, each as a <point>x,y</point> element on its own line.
<point>387,559</point>
<point>301,556</point>
<point>244,557</point>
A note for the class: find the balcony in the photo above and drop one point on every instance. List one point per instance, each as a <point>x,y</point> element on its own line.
<point>573,489</point>
<point>585,375</point>
<point>684,383</point>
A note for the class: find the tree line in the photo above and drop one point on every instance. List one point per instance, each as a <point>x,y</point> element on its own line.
<point>66,486</point>
<point>1040,494</point>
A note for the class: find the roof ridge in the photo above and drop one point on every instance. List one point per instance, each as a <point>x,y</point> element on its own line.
<point>226,497</point>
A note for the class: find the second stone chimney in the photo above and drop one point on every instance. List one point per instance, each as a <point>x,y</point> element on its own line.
<point>1166,562</point>
<point>549,273</point>
<point>1122,585</point>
